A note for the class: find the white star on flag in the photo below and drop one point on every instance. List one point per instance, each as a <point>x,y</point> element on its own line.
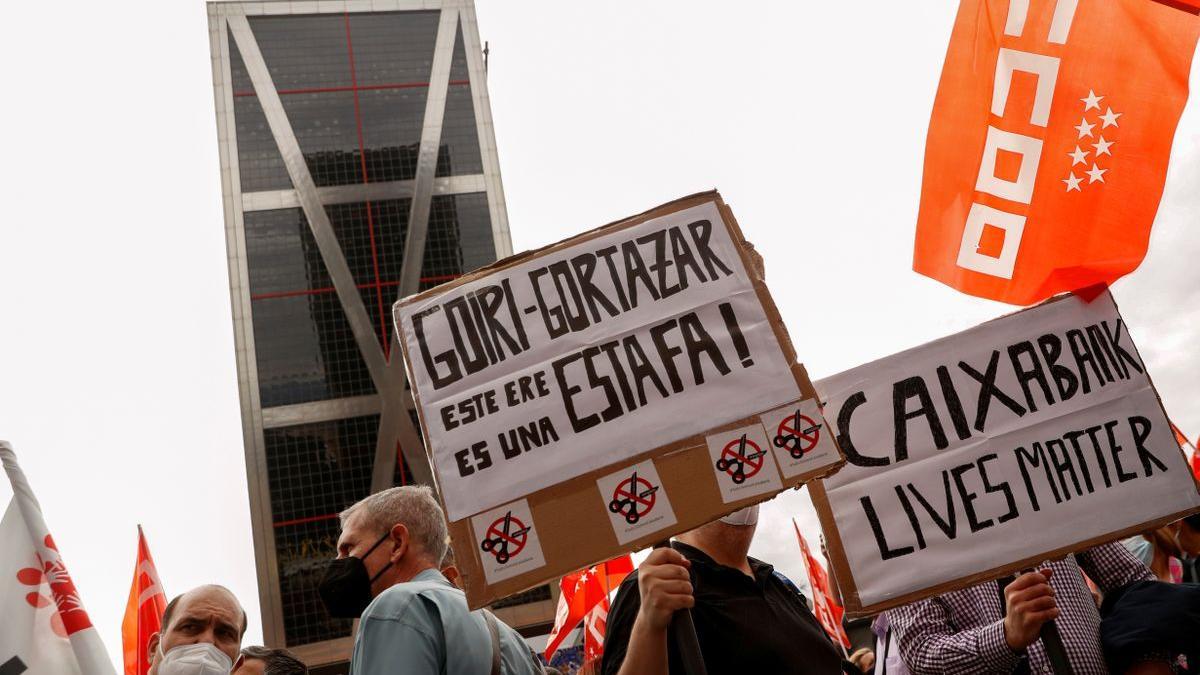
<point>1096,174</point>
<point>1084,128</point>
<point>1102,147</point>
<point>1072,182</point>
<point>1092,101</point>
<point>1110,119</point>
<point>1078,157</point>
<point>579,583</point>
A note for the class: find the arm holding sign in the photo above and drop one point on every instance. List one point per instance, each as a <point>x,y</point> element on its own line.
<point>638,644</point>
<point>664,587</point>
<point>1030,604</point>
<point>929,642</point>
<point>1111,566</point>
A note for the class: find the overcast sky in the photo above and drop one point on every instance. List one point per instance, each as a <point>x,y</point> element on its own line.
<point>117,379</point>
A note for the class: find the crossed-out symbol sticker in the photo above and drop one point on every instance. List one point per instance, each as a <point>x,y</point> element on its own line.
<point>741,459</point>
<point>634,498</point>
<point>501,534</point>
<point>798,433</point>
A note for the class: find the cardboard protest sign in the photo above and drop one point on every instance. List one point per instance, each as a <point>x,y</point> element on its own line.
<point>564,395</point>
<point>986,452</point>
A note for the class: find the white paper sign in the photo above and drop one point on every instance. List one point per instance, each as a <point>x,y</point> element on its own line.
<point>508,541</point>
<point>576,359</point>
<point>799,438</point>
<point>636,502</point>
<point>742,463</point>
<point>1031,433</point>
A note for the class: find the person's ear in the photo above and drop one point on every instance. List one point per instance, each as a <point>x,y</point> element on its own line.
<point>400,541</point>
<point>152,647</point>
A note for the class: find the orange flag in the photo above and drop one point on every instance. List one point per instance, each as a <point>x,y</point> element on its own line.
<point>585,594</point>
<point>827,611</point>
<point>1188,449</point>
<point>1049,142</point>
<point>143,614</point>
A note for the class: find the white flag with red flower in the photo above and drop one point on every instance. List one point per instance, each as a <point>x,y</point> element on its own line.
<point>45,628</point>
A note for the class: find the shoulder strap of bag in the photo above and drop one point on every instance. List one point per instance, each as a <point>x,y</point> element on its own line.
<point>495,631</point>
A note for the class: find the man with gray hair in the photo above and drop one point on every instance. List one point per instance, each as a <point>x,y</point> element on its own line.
<point>413,620</point>
<point>264,661</point>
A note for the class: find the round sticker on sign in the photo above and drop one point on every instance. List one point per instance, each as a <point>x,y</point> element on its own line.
<point>636,501</point>
<point>741,459</point>
<point>742,462</point>
<point>800,438</point>
<point>505,538</point>
<point>633,498</point>
<point>508,540</point>
<point>797,434</point>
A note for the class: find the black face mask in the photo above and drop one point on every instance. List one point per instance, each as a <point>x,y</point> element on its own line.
<point>345,587</point>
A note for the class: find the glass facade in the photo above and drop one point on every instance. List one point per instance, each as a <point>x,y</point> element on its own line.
<point>290,288</point>
<point>353,87</point>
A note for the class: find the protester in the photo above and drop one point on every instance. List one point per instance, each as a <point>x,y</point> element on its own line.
<point>863,659</point>
<point>201,634</point>
<point>747,620</point>
<point>1187,538</point>
<point>264,661</point>
<point>983,629</point>
<point>413,620</point>
<point>1158,551</point>
<point>1150,617</point>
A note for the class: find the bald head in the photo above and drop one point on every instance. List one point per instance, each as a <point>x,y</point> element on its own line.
<point>209,614</point>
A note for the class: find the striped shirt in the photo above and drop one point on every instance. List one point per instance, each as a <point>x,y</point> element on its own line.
<point>963,631</point>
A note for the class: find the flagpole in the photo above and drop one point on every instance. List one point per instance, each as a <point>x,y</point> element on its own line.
<point>85,643</point>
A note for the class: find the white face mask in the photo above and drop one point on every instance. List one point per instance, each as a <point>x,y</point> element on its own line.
<point>202,658</point>
<point>742,517</point>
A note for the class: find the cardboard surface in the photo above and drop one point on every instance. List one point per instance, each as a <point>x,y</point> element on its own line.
<point>573,521</point>
<point>1024,439</point>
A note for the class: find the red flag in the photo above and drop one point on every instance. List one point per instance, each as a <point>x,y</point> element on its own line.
<point>143,614</point>
<point>1049,142</point>
<point>580,594</point>
<point>828,612</point>
<point>594,625</point>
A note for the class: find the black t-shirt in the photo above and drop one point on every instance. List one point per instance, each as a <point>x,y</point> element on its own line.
<point>745,626</point>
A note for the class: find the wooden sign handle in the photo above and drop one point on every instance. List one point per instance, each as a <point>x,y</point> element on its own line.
<point>683,633</point>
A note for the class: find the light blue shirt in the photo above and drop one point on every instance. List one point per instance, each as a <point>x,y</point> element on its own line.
<point>423,627</point>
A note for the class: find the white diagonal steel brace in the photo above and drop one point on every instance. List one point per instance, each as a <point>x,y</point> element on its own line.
<point>427,155</point>
<point>497,207</point>
<point>314,211</point>
<point>396,426</point>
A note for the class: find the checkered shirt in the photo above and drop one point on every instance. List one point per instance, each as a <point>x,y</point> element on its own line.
<point>963,631</point>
